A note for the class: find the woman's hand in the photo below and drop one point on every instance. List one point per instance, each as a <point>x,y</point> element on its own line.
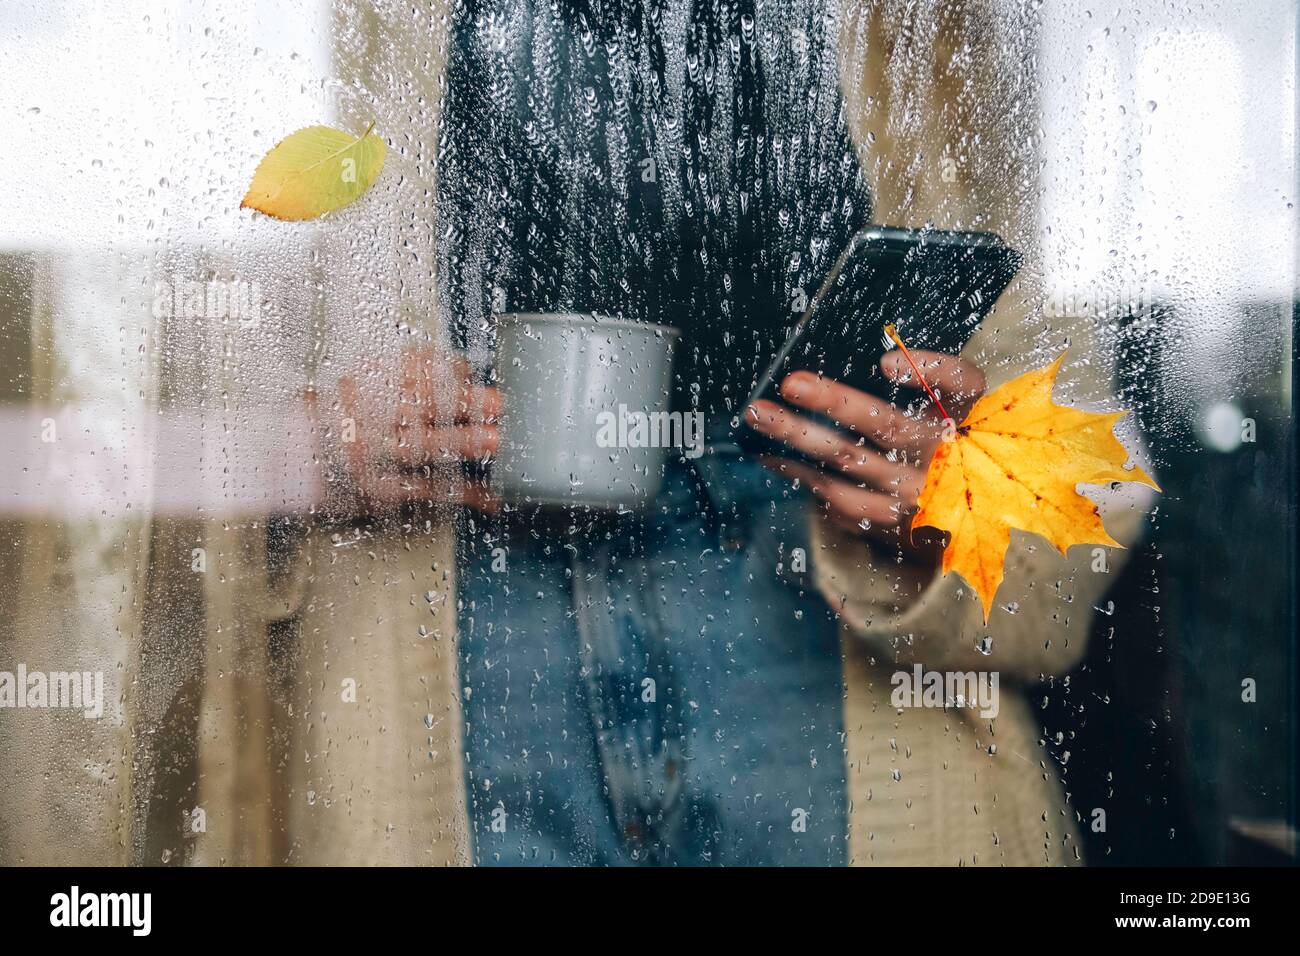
<point>870,480</point>
<point>405,433</point>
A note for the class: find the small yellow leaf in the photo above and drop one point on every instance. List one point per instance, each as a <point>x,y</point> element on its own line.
<point>1014,463</point>
<point>314,171</point>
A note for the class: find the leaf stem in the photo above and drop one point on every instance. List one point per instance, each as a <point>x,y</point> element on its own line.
<point>892,332</point>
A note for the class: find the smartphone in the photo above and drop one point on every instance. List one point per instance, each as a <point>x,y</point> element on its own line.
<point>934,286</point>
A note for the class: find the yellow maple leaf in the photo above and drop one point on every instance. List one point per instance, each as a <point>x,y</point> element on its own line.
<point>1015,462</point>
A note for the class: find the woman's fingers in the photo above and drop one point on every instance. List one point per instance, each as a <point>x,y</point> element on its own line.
<point>402,436</point>
<point>391,489</point>
<point>355,450</point>
<point>473,405</point>
<point>879,492</point>
<point>956,381</point>
<point>440,389</point>
<point>865,508</point>
<point>867,415</point>
<point>479,403</point>
<point>418,429</point>
<point>882,516</point>
<point>432,444</point>
<point>825,444</point>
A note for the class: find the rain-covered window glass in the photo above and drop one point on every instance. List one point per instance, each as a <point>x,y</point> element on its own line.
<point>680,432</point>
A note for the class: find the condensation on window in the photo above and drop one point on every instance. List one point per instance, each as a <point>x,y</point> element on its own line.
<point>563,498</point>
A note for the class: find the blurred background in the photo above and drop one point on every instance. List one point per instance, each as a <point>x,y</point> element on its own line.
<point>1169,177</point>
